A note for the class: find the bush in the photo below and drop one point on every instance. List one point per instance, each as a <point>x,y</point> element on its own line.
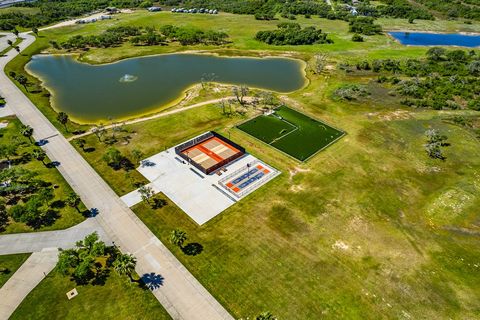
<point>292,34</point>
<point>364,25</point>
<point>357,38</point>
<point>351,92</point>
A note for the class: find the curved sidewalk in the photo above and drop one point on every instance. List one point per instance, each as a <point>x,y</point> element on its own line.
<point>27,277</point>
<point>37,241</point>
<point>181,294</point>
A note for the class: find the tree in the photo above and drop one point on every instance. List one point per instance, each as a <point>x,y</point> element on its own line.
<point>27,131</point>
<point>40,155</point>
<point>8,150</point>
<point>357,38</point>
<point>474,68</point>
<point>99,131</point>
<point>240,93</point>
<point>436,53</point>
<point>23,81</point>
<point>137,155</point>
<point>81,143</point>
<point>178,237</point>
<point>3,215</point>
<point>146,193</point>
<point>267,315</point>
<point>319,63</point>
<point>35,30</point>
<point>62,117</point>
<point>435,142</point>
<point>82,262</point>
<point>125,264</point>
<point>17,48</point>
<point>10,42</point>
<point>15,32</point>
<point>73,200</point>
<point>45,195</point>
<point>113,157</point>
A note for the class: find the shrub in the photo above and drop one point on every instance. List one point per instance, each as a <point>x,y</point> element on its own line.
<point>357,38</point>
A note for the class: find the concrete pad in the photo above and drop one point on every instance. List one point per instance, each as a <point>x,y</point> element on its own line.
<point>200,196</point>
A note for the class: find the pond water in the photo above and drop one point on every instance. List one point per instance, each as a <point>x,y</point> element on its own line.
<point>437,39</point>
<point>90,93</point>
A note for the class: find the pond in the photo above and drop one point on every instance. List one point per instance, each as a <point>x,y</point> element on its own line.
<point>133,87</point>
<point>437,39</point>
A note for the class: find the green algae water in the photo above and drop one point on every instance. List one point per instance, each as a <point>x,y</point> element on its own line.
<point>132,87</point>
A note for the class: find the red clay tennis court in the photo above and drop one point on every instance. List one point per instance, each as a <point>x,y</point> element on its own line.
<point>209,153</point>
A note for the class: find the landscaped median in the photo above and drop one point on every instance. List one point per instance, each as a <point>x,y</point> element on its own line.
<point>33,194</point>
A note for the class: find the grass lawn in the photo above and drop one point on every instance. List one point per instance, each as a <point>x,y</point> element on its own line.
<point>368,228</point>
<point>11,263</point>
<point>117,299</point>
<point>67,216</point>
<point>152,137</point>
<point>292,132</point>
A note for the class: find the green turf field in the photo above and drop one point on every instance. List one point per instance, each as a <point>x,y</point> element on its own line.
<point>292,132</point>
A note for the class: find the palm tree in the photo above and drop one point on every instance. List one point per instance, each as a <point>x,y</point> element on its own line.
<point>178,237</point>
<point>73,200</point>
<point>23,81</point>
<point>125,264</point>
<point>267,315</point>
<point>15,32</point>
<point>81,143</point>
<point>40,155</point>
<point>27,131</point>
<point>35,30</point>
<point>62,117</point>
<point>137,155</point>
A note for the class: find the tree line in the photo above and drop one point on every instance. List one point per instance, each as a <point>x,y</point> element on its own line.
<point>467,9</point>
<point>148,36</point>
<point>292,34</point>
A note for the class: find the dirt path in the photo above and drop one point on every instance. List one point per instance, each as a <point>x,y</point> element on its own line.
<point>161,115</point>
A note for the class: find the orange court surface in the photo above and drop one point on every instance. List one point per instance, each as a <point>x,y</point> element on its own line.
<point>211,152</point>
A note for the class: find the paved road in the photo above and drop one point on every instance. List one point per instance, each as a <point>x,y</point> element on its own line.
<point>37,241</point>
<point>27,277</point>
<point>181,294</point>
<point>4,40</point>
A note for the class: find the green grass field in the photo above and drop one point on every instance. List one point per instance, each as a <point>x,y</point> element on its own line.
<point>11,263</point>
<point>292,132</point>
<point>118,298</point>
<point>370,228</point>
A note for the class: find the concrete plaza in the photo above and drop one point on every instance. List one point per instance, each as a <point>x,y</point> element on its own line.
<point>200,196</point>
